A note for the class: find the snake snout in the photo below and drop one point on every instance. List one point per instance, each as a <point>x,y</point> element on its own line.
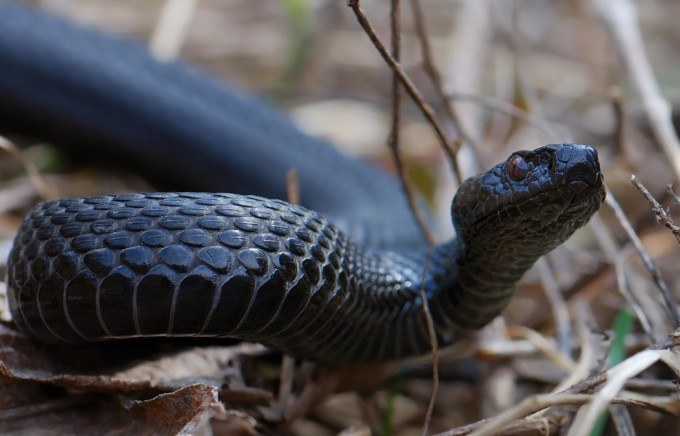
<point>583,166</point>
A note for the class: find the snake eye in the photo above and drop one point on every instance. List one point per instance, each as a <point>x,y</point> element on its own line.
<point>517,167</point>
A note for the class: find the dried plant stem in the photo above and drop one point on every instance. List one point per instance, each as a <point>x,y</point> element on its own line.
<point>617,376</point>
<point>622,282</point>
<point>614,379</point>
<point>432,71</point>
<point>45,190</point>
<point>171,29</point>
<point>662,216</point>
<point>619,117</point>
<point>410,87</point>
<point>393,142</point>
<point>558,305</point>
<point>293,186</point>
<point>432,336</point>
<point>543,345</point>
<point>620,16</point>
<point>675,197</point>
<point>646,258</point>
<point>507,108</point>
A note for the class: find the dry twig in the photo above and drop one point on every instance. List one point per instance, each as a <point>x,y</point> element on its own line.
<point>410,87</point>
<point>507,108</point>
<point>646,258</point>
<point>543,345</point>
<point>432,71</point>
<point>614,379</point>
<point>617,376</point>
<point>171,29</point>
<point>432,336</point>
<point>293,186</point>
<point>622,282</point>
<point>620,16</point>
<point>43,189</point>
<point>662,215</point>
<point>394,134</point>
<point>558,306</point>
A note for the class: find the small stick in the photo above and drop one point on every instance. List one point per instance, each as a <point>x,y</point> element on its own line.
<point>393,141</point>
<point>559,307</point>
<point>44,189</point>
<point>646,258</point>
<point>675,197</point>
<point>622,281</point>
<point>662,215</point>
<point>171,29</point>
<point>434,346</point>
<point>410,87</point>
<point>620,16</point>
<point>506,108</point>
<point>432,71</point>
<point>293,186</point>
<point>619,116</point>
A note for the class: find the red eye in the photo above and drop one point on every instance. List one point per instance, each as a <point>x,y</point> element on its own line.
<point>517,167</point>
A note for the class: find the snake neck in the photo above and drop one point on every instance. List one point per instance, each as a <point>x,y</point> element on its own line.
<point>470,285</point>
<point>465,289</point>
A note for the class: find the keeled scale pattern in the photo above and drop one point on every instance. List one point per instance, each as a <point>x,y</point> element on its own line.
<point>175,264</point>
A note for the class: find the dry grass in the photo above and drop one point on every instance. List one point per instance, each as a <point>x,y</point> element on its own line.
<point>591,330</point>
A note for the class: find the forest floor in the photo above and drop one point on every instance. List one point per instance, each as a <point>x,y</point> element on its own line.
<point>588,341</point>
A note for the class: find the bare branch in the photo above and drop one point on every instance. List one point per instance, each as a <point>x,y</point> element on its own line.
<point>410,87</point>
<point>620,16</point>
<point>433,345</point>
<point>646,258</point>
<point>394,134</point>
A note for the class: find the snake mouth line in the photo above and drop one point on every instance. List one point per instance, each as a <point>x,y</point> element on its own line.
<point>582,183</point>
<point>579,184</point>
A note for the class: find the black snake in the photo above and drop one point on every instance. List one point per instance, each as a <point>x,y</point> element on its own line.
<point>337,280</point>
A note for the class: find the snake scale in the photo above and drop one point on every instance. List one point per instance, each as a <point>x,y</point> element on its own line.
<point>336,279</point>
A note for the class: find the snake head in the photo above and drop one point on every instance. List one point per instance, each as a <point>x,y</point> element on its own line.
<point>532,202</point>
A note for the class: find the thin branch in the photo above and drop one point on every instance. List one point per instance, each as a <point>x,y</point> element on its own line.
<point>613,379</point>
<point>620,16</point>
<point>588,357</point>
<point>619,117</point>
<point>543,345</point>
<point>293,186</point>
<point>622,281</point>
<point>617,377</point>
<point>675,197</point>
<point>286,379</point>
<point>646,258</point>
<point>395,15</point>
<point>45,190</point>
<point>558,305</point>
<point>432,336</point>
<point>586,386</point>
<point>506,108</point>
<point>171,29</point>
<point>432,71</point>
<point>410,87</point>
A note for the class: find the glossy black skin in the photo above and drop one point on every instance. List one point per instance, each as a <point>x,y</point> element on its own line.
<point>342,287</point>
<point>106,98</point>
<point>201,264</point>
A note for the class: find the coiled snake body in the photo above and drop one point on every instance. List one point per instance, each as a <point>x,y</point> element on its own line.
<point>338,284</point>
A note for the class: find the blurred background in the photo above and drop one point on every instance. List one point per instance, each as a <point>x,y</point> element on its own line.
<point>517,74</point>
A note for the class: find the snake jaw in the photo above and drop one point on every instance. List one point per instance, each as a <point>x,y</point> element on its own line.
<point>510,216</point>
<point>563,185</point>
